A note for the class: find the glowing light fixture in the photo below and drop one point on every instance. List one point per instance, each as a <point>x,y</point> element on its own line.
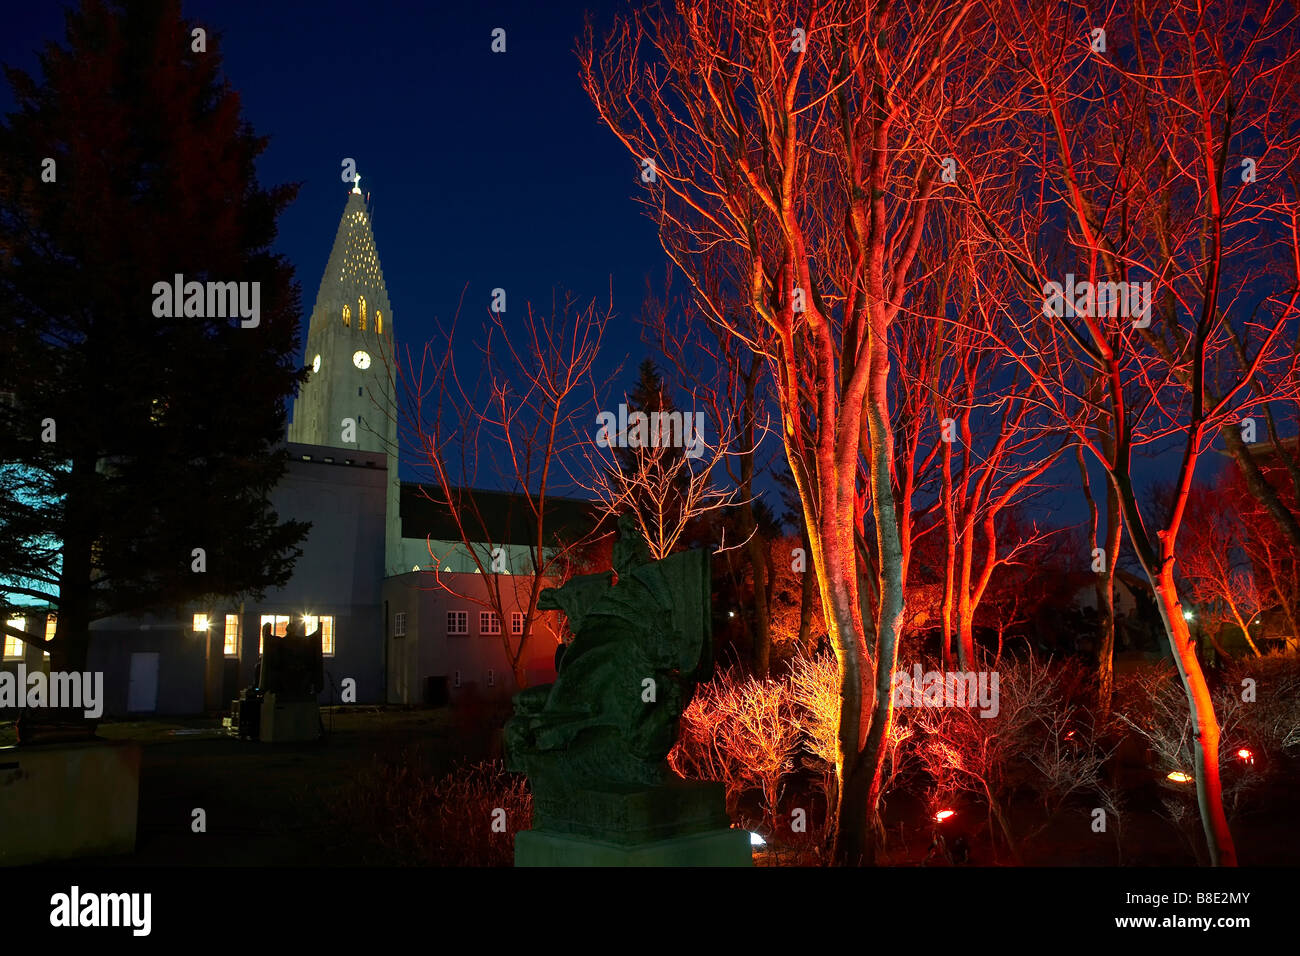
<point>731,614</point>
<point>944,815</point>
<point>1187,615</point>
<point>756,840</point>
<point>1245,755</point>
<point>1178,776</point>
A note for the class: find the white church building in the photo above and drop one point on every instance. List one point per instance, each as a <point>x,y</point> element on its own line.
<point>366,576</point>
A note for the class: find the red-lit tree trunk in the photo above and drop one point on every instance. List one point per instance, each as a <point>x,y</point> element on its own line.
<point>1104,583</point>
<point>802,143</point>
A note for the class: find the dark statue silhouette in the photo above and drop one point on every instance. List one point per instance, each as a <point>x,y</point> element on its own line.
<point>642,642</point>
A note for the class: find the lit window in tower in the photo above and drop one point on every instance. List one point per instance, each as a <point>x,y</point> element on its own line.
<point>361,313</point>
<point>347,316</point>
<point>379,322</point>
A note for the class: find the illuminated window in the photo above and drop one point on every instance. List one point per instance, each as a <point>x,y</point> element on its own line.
<point>51,625</point>
<point>326,625</point>
<point>517,623</point>
<point>458,622</point>
<point>361,313</point>
<point>13,646</point>
<point>379,322</point>
<point>399,624</point>
<point>488,622</point>
<point>230,644</point>
<point>279,627</point>
<point>200,623</point>
<point>347,316</point>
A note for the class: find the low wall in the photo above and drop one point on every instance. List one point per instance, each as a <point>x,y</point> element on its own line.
<point>66,801</point>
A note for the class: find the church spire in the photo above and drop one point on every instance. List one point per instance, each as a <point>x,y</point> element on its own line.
<point>349,342</point>
<point>349,401</point>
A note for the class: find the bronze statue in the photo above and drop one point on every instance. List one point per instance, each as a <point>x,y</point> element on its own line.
<point>642,642</point>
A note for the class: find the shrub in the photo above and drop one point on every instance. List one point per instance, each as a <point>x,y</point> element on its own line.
<point>1040,741</point>
<point>1270,724</point>
<point>1155,708</point>
<point>439,821</point>
<point>742,732</point>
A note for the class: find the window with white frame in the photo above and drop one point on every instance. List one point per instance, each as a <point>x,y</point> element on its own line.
<point>325,623</point>
<point>517,623</point>
<point>14,647</point>
<point>458,623</point>
<point>230,638</point>
<point>399,624</point>
<point>488,623</point>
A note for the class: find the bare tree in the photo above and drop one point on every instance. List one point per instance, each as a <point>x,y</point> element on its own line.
<point>660,466</point>
<point>1219,577</point>
<point>802,142</point>
<point>1134,177</point>
<point>530,412</point>
<point>727,378</point>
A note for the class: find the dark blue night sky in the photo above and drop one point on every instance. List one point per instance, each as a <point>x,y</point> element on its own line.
<point>484,169</point>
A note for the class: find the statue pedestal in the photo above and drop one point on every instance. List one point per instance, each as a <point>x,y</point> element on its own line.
<point>713,848</point>
<point>681,823</point>
<point>288,721</point>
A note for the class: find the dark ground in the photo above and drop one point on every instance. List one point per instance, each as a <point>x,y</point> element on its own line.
<point>278,805</point>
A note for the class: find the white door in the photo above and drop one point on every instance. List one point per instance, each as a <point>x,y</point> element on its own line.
<point>142,692</point>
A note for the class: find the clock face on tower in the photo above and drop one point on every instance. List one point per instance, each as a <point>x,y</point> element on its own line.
<point>315,364</point>
<point>361,359</point>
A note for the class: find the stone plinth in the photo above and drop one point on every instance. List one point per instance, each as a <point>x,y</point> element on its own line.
<point>632,814</point>
<point>712,848</point>
<point>68,801</point>
<point>288,721</point>
<point>680,823</point>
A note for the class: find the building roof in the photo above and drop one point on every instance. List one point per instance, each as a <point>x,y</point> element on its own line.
<point>506,517</point>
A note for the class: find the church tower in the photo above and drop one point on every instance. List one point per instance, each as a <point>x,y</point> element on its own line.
<point>349,401</point>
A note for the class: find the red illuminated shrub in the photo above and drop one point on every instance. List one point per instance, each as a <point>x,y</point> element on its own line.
<point>742,732</point>
<point>450,820</point>
<point>1040,742</point>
